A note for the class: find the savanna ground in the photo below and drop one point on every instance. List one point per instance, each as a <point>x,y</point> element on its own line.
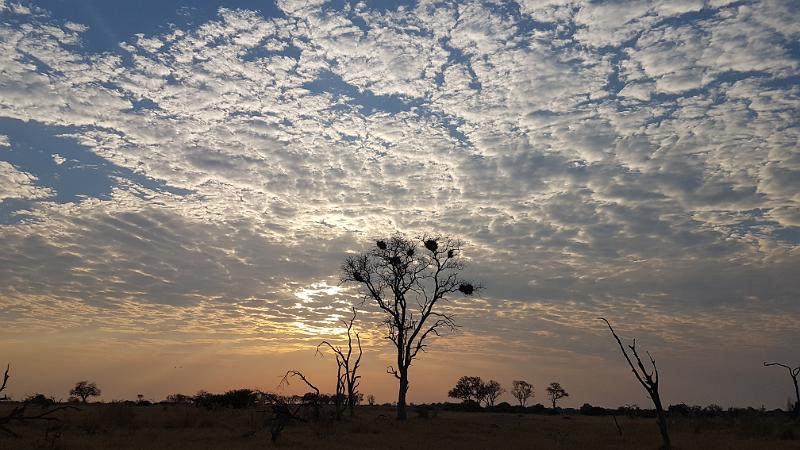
<point>125,426</point>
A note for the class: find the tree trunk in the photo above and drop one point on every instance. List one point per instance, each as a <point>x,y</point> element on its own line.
<point>662,421</point>
<point>351,399</point>
<point>401,397</point>
<point>797,399</point>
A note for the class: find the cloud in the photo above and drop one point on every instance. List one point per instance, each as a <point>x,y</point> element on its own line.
<point>632,160</point>
<point>15,184</point>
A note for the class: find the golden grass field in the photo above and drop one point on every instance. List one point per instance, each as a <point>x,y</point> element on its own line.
<point>121,426</point>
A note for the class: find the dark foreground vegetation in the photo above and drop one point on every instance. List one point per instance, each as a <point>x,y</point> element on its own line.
<point>131,425</point>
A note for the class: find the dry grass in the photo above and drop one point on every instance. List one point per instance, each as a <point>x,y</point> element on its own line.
<point>119,426</point>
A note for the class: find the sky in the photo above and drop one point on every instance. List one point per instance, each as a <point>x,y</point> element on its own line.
<point>180,182</point>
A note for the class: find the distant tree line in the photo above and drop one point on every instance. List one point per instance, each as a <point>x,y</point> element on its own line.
<point>474,391</point>
<point>477,395</point>
<point>245,398</point>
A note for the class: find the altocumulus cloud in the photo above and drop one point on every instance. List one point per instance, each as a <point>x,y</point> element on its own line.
<point>637,161</point>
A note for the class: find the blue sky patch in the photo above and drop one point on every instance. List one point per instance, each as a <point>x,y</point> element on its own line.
<point>71,170</point>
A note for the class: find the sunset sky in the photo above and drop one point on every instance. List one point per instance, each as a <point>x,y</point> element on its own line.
<point>181,180</point>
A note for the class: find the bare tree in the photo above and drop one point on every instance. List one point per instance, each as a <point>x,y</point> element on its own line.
<point>84,390</point>
<point>555,392</point>
<point>793,372</point>
<point>648,380</point>
<point>408,283</point>
<point>522,391</point>
<point>17,414</point>
<point>491,392</point>
<point>347,379</point>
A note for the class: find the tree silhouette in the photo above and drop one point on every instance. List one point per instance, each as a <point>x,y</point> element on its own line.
<point>793,372</point>
<point>467,389</point>
<point>407,283</point>
<point>522,391</point>
<point>346,377</point>
<point>84,390</point>
<point>491,392</point>
<point>648,380</point>
<point>555,392</point>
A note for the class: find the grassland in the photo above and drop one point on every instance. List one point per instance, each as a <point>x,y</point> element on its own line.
<point>126,426</point>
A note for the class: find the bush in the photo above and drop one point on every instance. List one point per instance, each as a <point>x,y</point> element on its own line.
<point>237,399</point>
<point>179,399</point>
<point>505,407</point>
<point>589,410</point>
<point>40,400</point>
<point>679,410</point>
<point>469,405</point>
<point>536,409</point>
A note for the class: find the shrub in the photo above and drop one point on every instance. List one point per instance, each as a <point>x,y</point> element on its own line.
<point>237,399</point>
<point>40,400</point>
<point>179,399</point>
<point>589,410</point>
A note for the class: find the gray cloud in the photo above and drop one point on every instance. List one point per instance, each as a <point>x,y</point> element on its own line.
<point>638,161</point>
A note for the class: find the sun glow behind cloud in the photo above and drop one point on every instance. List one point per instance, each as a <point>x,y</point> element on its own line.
<point>197,185</point>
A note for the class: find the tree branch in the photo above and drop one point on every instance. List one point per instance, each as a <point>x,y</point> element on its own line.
<point>298,374</point>
<point>5,378</point>
<point>625,354</point>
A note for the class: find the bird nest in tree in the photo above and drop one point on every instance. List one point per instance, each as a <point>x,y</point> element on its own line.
<point>381,245</point>
<point>432,245</point>
<point>358,277</point>
<point>466,288</point>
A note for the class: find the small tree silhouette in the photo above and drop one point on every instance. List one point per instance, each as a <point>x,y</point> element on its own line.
<point>555,392</point>
<point>467,389</point>
<point>522,391</point>
<point>408,283</point>
<point>84,390</point>
<point>793,372</point>
<point>648,380</point>
<point>346,378</point>
<point>491,392</point>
